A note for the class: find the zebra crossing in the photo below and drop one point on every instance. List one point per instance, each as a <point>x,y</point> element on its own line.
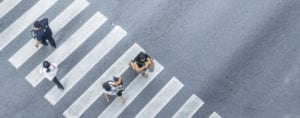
<point>7,5</point>
<point>24,53</point>
<point>69,46</point>
<point>24,21</point>
<point>86,64</point>
<point>161,99</point>
<point>189,107</point>
<point>103,47</point>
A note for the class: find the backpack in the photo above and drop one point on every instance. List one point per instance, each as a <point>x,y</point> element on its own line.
<point>106,86</point>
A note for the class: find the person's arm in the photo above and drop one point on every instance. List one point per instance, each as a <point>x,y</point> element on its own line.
<point>119,81</point>
<point>138,69</point>
<point>39,36</point>
<point>149,62</point>
<point>45,23</point>
<point>37,43</point>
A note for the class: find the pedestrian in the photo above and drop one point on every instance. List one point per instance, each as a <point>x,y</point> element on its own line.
<point>42,32</point>
<point>49,70</point>
<point>114,87</point>
<point>141,63</point>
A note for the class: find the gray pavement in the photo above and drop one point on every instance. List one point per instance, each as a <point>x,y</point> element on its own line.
<point>240,57</point>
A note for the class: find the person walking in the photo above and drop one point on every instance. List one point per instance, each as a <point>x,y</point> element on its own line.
<point>141,63</point>
<point>49,70</point>
<point>42,32</point>
<point>114,87</point>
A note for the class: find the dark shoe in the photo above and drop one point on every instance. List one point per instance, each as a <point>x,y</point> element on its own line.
<point>62,88</point>
<point>53,45</point>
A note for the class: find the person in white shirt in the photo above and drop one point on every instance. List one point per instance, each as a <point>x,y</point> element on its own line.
<point>113,87</point>
<point>49,70</point>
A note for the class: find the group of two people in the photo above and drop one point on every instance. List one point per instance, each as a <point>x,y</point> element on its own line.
<point>140,64</point>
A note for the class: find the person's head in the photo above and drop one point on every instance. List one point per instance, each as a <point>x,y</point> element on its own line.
<point>142,57</point>
<point>115,78</point>
<point>37,24</point>
<point>106,86</point>
<point>46,65</point>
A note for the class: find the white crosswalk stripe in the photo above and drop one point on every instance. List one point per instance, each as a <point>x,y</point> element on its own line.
<point>189,108</point>
<point>10,33</point>
<point>215,115</point>
<point>95,90</point>
<point>82,34</point>
<point>23,54</point>
<point>132,91</point>
<point>75,75</point>
<point>103,47</point>
<point>161,99</point>
<point>7,5</point>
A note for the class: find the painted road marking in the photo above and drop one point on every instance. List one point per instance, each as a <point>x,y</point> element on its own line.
<point>62,52</point>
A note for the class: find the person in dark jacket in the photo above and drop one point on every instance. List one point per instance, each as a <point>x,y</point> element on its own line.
<point>141,63</point>
<point>43,32</point>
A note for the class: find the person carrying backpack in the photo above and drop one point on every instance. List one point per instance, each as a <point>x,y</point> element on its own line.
<point>113,87</point>
<point>49,70</point>
<point>42,32</point>
<point>141,63</point>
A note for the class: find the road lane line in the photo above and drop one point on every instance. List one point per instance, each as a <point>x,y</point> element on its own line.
<point>86,64</point>
<point>18,26</point>
<point>160,99</point>
<point>215,115</point>
<point>70,45</point>
<point>23,54</point>
<point>94,91</point>
<point>7,5</point>
<point>189,108</point>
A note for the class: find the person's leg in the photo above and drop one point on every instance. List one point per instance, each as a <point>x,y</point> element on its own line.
<point>44,42</point>
<point>106,97</point>
<point>59,85</point>
<point>119,94</point>
<point>51,41</point>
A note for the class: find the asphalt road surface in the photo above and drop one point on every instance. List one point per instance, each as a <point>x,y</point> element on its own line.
<point>218,58</point>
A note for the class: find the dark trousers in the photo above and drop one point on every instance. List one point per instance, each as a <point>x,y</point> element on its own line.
<point>59,85</point>
<point>51,41</point>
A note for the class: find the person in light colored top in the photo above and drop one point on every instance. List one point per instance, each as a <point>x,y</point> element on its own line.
<point>49,71</point>
<point>114,87</point>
